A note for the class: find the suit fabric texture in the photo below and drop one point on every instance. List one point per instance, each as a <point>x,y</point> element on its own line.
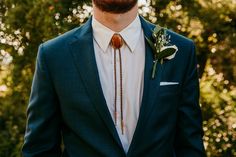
<point>67,104</point>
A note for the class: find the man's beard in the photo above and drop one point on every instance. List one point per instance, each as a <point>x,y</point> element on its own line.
<point>115,6</point>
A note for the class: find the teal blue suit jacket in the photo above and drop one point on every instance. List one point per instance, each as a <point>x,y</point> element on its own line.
<point>67,103</point>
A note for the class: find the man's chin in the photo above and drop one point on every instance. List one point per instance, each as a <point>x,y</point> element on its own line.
<point>115,6</point>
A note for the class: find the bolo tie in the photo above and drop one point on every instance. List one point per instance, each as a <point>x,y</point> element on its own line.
<point>117,42</point>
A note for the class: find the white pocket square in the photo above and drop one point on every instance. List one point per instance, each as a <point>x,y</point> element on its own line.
<point>168,83</point>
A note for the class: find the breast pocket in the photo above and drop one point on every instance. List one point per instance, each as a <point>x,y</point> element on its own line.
<point>167,101</point>
<point>169,89</point>
<point>168,97</point>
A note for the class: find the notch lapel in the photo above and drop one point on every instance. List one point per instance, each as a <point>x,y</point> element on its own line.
<point>83,54</point>
<point>150,87</point>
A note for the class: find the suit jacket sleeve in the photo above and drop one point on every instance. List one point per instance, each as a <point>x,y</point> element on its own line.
<point>189,134</point>
<point>42,137</point>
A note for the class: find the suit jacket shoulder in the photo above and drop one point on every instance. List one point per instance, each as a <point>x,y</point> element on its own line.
<point>57,44</point>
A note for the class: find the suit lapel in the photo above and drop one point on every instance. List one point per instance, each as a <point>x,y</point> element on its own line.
<point>150,86</point>
<point>83,54</point>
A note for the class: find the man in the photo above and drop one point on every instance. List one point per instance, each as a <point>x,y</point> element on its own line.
<point>93,90</point>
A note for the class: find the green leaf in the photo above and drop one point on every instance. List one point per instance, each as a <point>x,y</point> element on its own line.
<point>157,29</point>
<point>151,44</point>
<point>166,53</point>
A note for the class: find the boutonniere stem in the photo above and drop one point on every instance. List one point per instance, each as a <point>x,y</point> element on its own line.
<point>154,68</point>
<point>162,49</point>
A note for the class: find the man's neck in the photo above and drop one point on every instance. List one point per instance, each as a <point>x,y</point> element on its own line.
<point>116,22</point>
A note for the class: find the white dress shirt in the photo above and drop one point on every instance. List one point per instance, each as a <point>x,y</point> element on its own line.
<point>133,61</point>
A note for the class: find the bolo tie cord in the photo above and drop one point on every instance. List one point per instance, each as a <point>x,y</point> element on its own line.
<point>117,43</point>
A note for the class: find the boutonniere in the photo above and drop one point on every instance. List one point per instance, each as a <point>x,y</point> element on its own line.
<point>162,49</point>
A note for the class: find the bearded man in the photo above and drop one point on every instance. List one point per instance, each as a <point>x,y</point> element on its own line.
<point>97,91</point>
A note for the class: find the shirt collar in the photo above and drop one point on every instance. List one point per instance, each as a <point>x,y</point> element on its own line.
<point>130,34</point>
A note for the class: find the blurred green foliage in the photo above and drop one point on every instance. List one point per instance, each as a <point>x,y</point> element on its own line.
<point>211,24</point>
<point>218,100</point>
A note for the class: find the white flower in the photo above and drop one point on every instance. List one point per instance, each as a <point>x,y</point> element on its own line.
<point>170,47</point>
